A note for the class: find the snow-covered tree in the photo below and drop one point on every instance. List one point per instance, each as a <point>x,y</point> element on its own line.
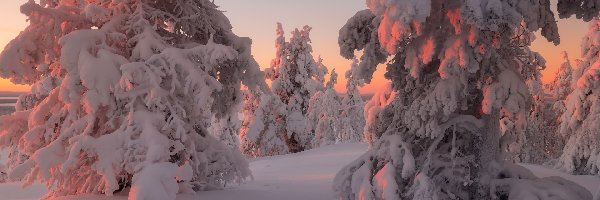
<point>542,142</point>
<point>579,123</point>
<point>375,111</point>
<point>582,9</point>
<point>561,86</point>
<point>352,117</point>
<point>539,142</point>
<point>296,77</point>
<point>263,131</point>
<point>455,66</point>
<point>226,129</point>
<point>123,96</point>
<point>323,115</point>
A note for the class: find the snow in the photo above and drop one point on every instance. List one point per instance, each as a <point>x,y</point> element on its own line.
<point>589,182</point>
<point>14,191</point>
<point>305,175</point>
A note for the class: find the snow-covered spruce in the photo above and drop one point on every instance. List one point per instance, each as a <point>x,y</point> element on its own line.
<point>455,66</point>
<point>352,118</point>
<point>296,77</point>
<point>579,123</point>
<point>541,141</point>
<point>263,131</point>
<point>123,90</point>
<point>562,85</point>
<point>323,116</point>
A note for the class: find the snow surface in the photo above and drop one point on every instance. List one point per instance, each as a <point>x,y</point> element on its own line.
<point>305,175</point>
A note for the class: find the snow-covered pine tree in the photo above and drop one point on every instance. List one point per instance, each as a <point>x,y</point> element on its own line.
<point>562,85</point>
<point>323,115</point>
<point>352,117</point>
<point>533,138</point>
<point>455,66</point>
<point>333,77</point>
<point>296,77</point>
<point>579,123</point>
<point>263,128</point>
<point>125,93</point>
<point>539,141</point>
<point>543,141</point>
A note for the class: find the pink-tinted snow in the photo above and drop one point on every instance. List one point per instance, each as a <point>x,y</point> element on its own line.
<point>305,175</point>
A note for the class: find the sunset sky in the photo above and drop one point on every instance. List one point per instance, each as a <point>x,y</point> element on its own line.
<point>257,19</point>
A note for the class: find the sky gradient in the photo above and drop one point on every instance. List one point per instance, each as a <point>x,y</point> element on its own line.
<point>257,19</point>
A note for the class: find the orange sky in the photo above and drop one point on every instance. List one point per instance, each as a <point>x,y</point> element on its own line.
<point>257,19</point>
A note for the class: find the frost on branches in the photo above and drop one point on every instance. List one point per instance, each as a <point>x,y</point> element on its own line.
<point>456,65</point>
<point>296,77</point>
<point>579,123</point>
<point>123,96</point>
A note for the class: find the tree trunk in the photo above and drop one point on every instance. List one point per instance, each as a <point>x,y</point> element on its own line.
<point>488,151</point>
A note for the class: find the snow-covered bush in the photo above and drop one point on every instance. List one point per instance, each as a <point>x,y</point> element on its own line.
<point>124,93</point>
<point>579,123</point>
<point>455,66</point>
<point>296,77</point>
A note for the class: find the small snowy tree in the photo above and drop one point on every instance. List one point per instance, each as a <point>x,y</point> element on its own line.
<point>455,66</point>
<point>263,131</point>
<point>561,86</point>
<point>352,117</point>
<point>540,142</point>
<point>323,115</point>
<point>296,77</point>
<point>579,123</point>
<point>543,142</point>
<point>123,96</point>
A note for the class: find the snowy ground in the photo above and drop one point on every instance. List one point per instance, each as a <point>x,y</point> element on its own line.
<point>306,175</point>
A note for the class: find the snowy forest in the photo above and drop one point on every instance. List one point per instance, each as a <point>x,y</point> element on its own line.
<point>162,100</point>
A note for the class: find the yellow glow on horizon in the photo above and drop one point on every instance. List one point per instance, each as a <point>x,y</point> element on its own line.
<point>7,86</point>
